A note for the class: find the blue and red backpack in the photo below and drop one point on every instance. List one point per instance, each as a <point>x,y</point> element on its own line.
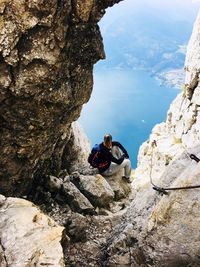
<point>95,157</point>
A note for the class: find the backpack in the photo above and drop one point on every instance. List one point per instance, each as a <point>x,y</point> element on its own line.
<point>95,158</point>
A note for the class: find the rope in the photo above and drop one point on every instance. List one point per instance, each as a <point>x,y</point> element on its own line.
<point>191,156</point>
<point>164,190</point>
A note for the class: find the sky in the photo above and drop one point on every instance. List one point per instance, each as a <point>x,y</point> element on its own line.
<point>175,8</point>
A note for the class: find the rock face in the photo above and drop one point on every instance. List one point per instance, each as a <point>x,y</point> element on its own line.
<point>162,230</point>
<point>179,135</point>
<point>88,206</point>
<point>47,52</point>
<point>96,188</point>
<point>76,150</point>
<point>28,237</point>
<point>120,188</point>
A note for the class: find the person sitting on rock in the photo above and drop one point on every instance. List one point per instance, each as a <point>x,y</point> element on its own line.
<point>117,158</point>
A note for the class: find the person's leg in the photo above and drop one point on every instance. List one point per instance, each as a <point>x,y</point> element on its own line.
<point>113,168</point>
<point>127,167</point>
<point>126,164</point>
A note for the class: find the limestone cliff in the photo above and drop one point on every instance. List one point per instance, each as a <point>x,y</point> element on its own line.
<point>47,52</point>
<point>163,230</point>
<point>179,135</point>
<point>28,237</point>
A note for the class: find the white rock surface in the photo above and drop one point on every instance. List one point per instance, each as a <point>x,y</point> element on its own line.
<point>81,141</point>
<point>120,187</point>
<point>79,147</point>
<point>97,190</point>
<point>27,236</point>
<point>164,230</point>
<point>193,53</point>
<point>77,201</point>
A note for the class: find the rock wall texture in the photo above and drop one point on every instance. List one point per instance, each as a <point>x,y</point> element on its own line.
<point>85,206</point>
<point>47,52</point>
<point>163,230</point>
<point>28,237</point>
<point>76,150</point>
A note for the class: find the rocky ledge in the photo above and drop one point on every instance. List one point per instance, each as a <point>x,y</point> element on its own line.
<point>76,215</point>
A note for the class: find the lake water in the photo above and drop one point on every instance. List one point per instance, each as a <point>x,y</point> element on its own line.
<point>126,104</point>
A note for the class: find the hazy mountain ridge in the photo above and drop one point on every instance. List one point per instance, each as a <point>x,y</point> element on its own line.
<point>138,43</point>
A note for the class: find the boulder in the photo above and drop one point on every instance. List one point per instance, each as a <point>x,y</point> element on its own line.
<point>27,236</point>
<point>77,150</point>
<point>53,183</point>
<point>76,227</point>
<point>77,201</point>
<point>120,187</point>
<point>95,188</point>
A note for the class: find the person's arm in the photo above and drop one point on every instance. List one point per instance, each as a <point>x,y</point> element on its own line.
<point>110,157</point>
<point>121,147</point>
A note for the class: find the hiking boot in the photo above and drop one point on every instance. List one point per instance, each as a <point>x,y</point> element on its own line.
<point>127,179</point>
